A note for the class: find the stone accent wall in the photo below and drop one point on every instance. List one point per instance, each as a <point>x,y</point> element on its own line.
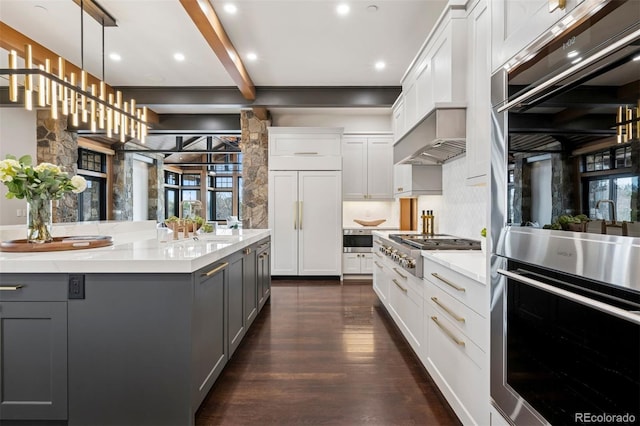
<point>122,186</point>
<point>563,199</point>
<point>59,146</point>
<point>255,171</point>
<point>156,190</point>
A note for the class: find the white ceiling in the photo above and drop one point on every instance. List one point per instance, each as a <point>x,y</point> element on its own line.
<point>298,42</point>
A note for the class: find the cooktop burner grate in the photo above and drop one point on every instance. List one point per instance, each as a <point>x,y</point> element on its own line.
<point>436,242</point>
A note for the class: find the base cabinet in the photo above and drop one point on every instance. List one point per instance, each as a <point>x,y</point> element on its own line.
<point>357,263</point>
<point>263,273</point>
<point>141,349</point>
<point>33,360</point>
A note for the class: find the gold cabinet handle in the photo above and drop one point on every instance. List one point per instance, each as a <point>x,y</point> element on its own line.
<point>246,251</point>
<point>11,287</point>
<point>379,255</point>
<point>398,272</point>
<point>404,289</point>
<point>295,214</point>
<point>448,332</point>
<point>449,283</point>
<point>214,270</point>
<point>400,189</point>
<point>377,264</point>
<point>448,310</point>
<point>305,153</point>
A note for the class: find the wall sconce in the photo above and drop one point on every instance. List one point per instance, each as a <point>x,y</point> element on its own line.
<point>60,92</point>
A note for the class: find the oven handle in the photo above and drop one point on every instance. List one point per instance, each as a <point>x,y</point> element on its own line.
<point>602,307</point>
<point>579,66</point>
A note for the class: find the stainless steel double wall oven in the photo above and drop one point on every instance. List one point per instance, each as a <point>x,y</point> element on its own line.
<point>565,306</point>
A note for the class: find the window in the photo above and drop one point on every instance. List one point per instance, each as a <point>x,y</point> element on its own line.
<point>171,202</point>
<point>608,175</point>
<point>171,178</point>
<point>92,202</point>
<point>91,205</point>
<point>91,161</point>
<point>191,180</point>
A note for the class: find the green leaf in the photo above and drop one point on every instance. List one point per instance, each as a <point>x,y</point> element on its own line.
<point>25,159</point>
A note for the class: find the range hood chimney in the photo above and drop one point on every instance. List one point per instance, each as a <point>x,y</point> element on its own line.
<point>437,138</point>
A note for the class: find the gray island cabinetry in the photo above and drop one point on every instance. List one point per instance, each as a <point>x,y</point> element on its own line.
<point>82,348</point>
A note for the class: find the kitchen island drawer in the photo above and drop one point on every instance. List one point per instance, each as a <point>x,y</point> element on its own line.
<point>465,320</point>
<point>468,291</point>
<point>457,366</point>
<point>34,287</point>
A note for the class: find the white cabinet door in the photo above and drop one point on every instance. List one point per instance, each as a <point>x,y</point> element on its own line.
<point>424,86</point>
<point>479,98</point>
<point>380,168</point>
<point>351,263</point>
<point>354,168</point>
<point>410,105</point>
<point>398,119</point>
<point>411,180</point>
<point>283,217</point>
<point>366,263</point>
<point>320,223</point>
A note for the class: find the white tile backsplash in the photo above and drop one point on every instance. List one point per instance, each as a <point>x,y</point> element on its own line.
<point>462,209</point>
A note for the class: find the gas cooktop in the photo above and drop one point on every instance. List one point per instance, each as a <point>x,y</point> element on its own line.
<point>436,242</point>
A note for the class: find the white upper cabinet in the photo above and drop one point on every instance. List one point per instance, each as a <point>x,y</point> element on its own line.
<point>517,24</point>
<point>479,93</point>
<point>305,148</point>
<point>397,118</point>
<point>438,73</point>
<point>367,168</point>
<point>412,181</point>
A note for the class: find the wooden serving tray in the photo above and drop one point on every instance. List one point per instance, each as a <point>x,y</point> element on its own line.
<point>78,242</point>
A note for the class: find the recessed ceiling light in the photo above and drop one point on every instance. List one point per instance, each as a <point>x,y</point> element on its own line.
<point>575,61</point>
<point>115,57</point>
<point>343,9</point>
<point>252,56</point>
<point>178,57</point>
<point>230,8</point>
<point>573,54</point>
<point>380,65</point>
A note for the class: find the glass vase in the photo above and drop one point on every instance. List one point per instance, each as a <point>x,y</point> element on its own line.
<point>39,221</point>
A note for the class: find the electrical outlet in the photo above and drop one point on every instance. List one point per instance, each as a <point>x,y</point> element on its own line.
<point>76,286</point>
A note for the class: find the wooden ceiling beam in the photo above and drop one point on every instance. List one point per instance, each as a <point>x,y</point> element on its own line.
<point>11,39</point>
<point>261,113</point>
<point>209,25</point>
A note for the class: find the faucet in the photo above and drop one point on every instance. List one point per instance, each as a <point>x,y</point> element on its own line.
<point>613,209</point>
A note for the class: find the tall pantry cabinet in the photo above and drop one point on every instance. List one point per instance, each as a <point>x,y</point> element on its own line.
<point>305,200</point>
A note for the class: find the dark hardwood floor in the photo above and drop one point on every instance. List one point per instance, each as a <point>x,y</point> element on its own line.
<point>321,353</point>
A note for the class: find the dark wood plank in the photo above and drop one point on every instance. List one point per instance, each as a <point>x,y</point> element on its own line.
<point>321,353</point>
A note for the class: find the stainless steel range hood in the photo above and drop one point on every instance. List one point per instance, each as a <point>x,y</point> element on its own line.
<point>437,138</point>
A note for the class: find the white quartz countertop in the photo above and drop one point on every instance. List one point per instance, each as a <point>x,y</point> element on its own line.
<point>471,263</point>
<point>134,252</point>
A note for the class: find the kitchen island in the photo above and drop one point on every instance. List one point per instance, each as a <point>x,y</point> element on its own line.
<point>134,333</point>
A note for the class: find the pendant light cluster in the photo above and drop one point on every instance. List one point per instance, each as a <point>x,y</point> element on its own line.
<point>72,95</point>
<point>626,118</point>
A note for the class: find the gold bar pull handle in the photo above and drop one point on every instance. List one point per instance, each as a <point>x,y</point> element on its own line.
<point>448,332</point>
<point>404,289</point>
<point>11,287</point>
<point>399,273</point>
<point>300,216</point>
<point>377,264</point>
<point>449,283</point>
<point>448,310</point>
<point>379,255</point>
<point>214,270</point>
